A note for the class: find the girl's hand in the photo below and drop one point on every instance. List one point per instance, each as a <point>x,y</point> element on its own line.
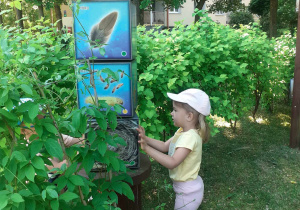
<point>142,138</point>
<point>143,144</point>
<point>141,132</point>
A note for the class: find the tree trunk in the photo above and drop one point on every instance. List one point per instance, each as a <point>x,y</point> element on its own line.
<point>295,119</point>
<point>139,13</point>
<point>19,17</point>
<point>141,17</point>
<point>58,16</point>
<point>273,17</point>
<point>199,6</point>
<point>1,19</point>
<point>41,11</point>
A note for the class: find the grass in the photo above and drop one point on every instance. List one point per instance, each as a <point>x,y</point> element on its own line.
<point>252,168</point>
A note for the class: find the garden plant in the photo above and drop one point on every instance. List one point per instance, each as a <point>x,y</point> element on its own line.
<point>239,69</point>
<point>38,63</point>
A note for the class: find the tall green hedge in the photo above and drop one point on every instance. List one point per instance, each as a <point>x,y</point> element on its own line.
<point>236,68</point>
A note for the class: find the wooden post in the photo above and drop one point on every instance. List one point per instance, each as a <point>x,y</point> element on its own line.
<point>295,121</point>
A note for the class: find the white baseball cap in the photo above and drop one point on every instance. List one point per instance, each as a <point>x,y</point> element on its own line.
<point>196,98</point>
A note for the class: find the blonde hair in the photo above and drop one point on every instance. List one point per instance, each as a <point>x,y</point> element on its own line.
<point>201,124</point>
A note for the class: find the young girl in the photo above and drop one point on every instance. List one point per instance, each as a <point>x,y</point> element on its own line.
<point>185,148</point>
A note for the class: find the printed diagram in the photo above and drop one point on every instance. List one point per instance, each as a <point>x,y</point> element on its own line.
<point>113,85</point>
<point>101,32</point>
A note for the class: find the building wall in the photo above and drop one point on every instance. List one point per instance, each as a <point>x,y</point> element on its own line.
<point>184,14</point>
<point>187,10</point>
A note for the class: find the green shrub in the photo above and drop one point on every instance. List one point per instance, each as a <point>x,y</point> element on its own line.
<point>234,67</point>
<point>35,63</point>
<point>240,17</point>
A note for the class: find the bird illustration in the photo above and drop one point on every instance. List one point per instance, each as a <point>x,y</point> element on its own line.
<point>101,32</point>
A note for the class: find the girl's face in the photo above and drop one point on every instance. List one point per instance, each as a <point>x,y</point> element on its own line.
<point>179,115</point>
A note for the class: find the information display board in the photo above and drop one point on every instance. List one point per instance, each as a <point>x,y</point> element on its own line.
<point>107,23</point>
<point>109,89</point>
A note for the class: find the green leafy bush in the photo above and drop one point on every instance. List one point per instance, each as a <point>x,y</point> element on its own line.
<point>240,17</point>
<point>234,67</point>
<point>36,63</point>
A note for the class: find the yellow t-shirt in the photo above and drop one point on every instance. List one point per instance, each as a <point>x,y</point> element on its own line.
<point>188,170</point>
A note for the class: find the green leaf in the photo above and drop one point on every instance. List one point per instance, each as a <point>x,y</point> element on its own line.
<point>102,123</point>
<point>4,161</point>
<point>148,93</point>
<point>88,162</point>
<point>33,111</point>
<point>150,113</point>
<point>54,204</point>
<point>71,170</point>
<point>171,82</point>
<point>115,163</point>
<point>44,194</point>
<point>112,120</point>
<point>17,4</point>
<point>54,149</point>
<point>113,196</point>
<point>118,108</point>
<point>38,162</point>
<point>52,193</point>
<point>120,141</point>
<point>61,182</point>
<point>50,127</point>
<point>35,147</point>
<point>127,191</point>
<point>30,172</point>
<point>17,198</point>
<point>33,188</point>
<point>27,89</point>
<point>102,147</point>
<point>91,136</point>
<point>102,51</point>
<point>117,186</point>
<point>30,204</point>
<point>8,115</point>
<point>68,196</point>
<point>39,129</point>
<point>18,156</point>
<point>76,180</point>
<point>25,193</point>
<point>3,201</point>
<point>83,124</point>
<point>76,120</point>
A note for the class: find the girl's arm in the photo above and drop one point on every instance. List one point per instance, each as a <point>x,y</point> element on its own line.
<point>169,162</point>
<point>156,144</point>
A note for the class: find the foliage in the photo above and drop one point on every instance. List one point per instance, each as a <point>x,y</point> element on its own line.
<point>38,64</point>
<point>168,4</point>
<point>29,12</point>
<point>286,14</point>
<point>240,17</point>
<point>226,5</point>
<point>259,7</point>
<point>234,67</point>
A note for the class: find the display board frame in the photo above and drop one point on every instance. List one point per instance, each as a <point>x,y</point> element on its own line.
<point>117,92</point>
<point>113,49</point>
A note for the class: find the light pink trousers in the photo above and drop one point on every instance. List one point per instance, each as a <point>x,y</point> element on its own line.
<point>189,194</point>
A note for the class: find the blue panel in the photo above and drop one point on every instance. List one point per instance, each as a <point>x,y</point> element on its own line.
<point>114,92</point>
<point>115,18</point>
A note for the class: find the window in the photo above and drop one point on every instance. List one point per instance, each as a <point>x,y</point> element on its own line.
<point>173,10</point>
<point>219,13</point>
